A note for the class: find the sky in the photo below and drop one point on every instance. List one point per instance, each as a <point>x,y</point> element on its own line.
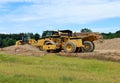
<point>36,16</point>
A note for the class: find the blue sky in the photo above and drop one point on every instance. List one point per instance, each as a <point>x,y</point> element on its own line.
<point>38,15</point>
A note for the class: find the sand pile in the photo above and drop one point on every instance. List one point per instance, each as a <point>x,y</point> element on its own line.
<point>23,50</point>
<point>108,44</point>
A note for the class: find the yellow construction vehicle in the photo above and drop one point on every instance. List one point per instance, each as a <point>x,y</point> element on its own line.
<point>55,41</point>
<point>26,40</point>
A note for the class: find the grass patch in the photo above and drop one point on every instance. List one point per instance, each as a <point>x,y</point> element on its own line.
<point>56,69</point>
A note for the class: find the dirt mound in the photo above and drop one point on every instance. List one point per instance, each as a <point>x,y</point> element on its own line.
<point>108,44</point>
<point>23,50</point>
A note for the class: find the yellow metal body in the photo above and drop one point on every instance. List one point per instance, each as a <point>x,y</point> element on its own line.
<point>49,47</point>
<point>77,42</point>
<point>49,43</point>
<point>30,41</point>
<point>88,36</point>
<point>18,42</point>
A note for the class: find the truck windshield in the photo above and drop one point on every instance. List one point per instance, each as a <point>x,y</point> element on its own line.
<point>47,34</point>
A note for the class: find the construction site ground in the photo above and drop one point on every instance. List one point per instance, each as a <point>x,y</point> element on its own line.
<point>108,50</point>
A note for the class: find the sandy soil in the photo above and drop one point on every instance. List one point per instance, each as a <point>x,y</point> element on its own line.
<point>109,44</point>
<point>23,50</point>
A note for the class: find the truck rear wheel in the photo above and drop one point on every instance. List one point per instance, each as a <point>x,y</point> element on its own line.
<point>89,46</point>
<point>69,47</point>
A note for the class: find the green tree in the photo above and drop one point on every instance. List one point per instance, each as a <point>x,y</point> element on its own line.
<point>10,41</point>
<point>86,30</point>
<point>1,43</point>
<point>36,36</point>
<point>117,34</point>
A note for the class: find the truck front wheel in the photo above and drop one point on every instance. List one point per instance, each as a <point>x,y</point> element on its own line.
<point>89,46</point>
<point>70,47</point>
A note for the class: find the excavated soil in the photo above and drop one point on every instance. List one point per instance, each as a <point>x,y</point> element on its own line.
<point>106,50</point>
<point>23,50</point>
<point>108,44</point>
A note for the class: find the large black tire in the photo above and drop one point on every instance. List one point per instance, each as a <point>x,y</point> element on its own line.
<point>78,50</point>
<point>57,50</point>
<point>93,46</point>
<point>89,46</point>
<point>48,51</point>
<point>53,51</point>
<point>70,47</point>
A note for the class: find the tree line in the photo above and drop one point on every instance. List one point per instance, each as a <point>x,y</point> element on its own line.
<point>111,35</point>
<point>10,39</point>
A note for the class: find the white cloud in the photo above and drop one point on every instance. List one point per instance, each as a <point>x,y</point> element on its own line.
<point>54,12</point>
<point>68,13</point>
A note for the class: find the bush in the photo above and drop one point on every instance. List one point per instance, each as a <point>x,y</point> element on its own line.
<point>86,30</point>
<point>10,42</point>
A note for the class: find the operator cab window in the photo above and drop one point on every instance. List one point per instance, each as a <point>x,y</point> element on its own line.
<point>48,34</point>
